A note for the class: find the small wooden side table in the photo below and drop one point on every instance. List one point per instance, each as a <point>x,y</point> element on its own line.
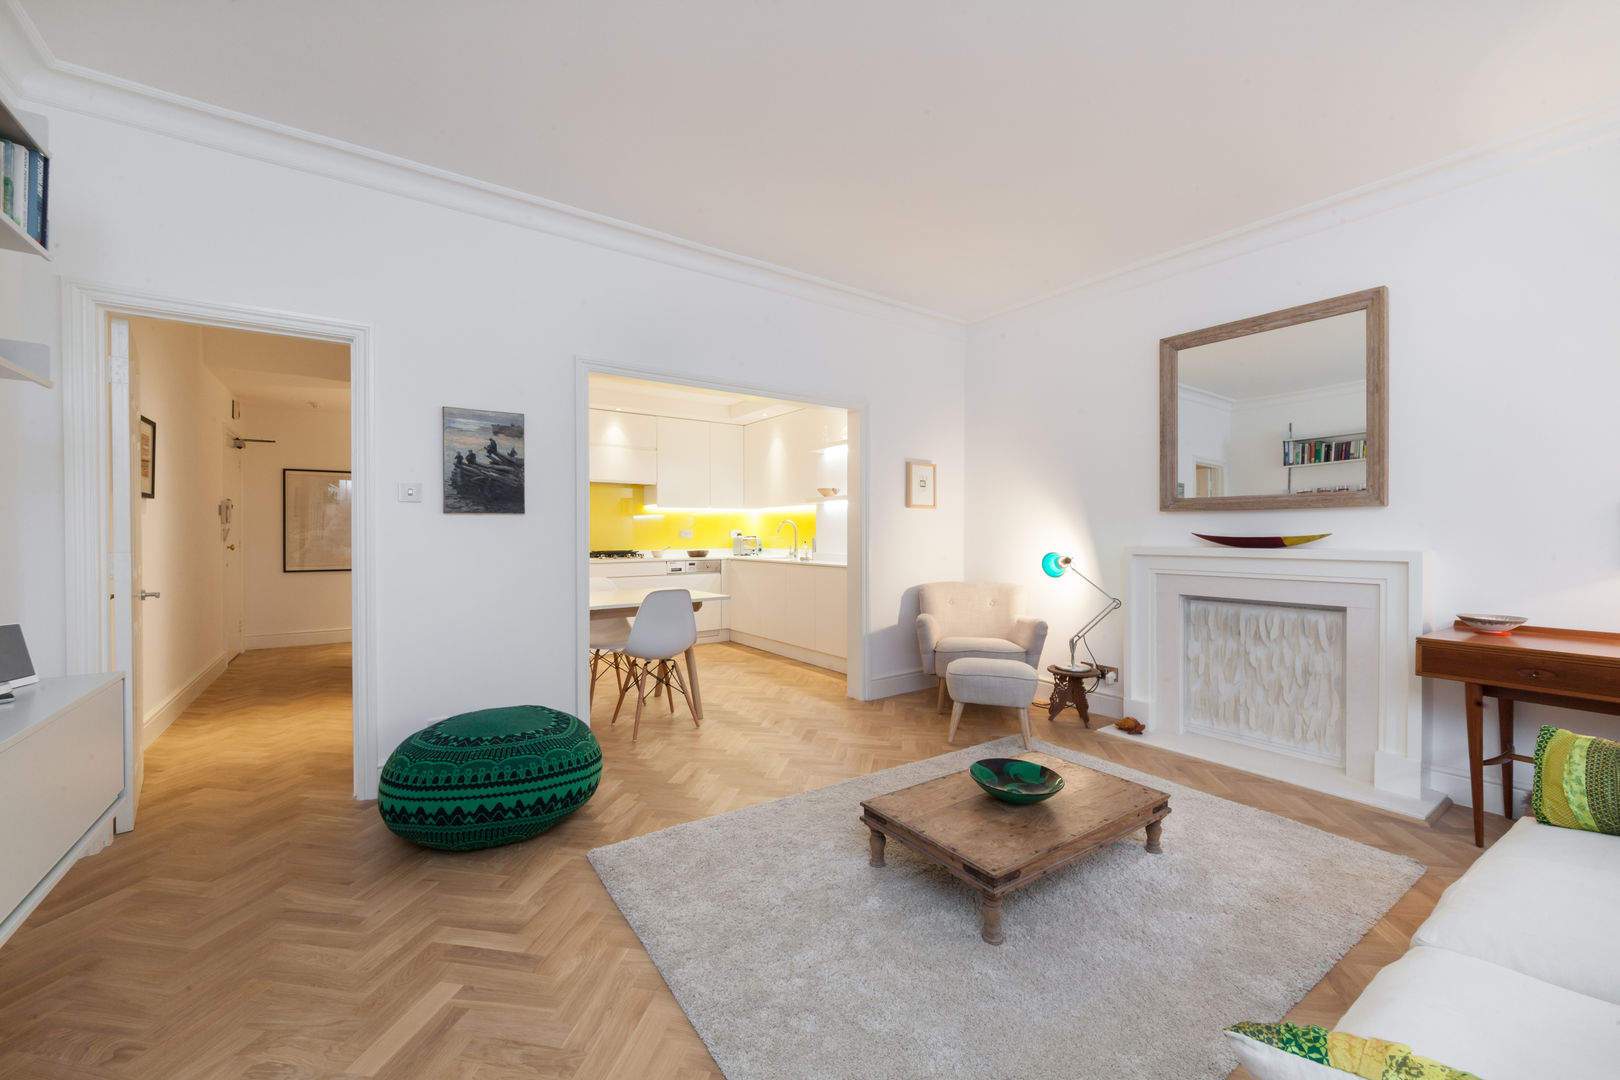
<point>1068,689</point>
<point>1573,669</point>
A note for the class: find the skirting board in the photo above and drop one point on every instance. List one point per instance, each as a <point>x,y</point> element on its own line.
<point>1455,785</point>
<point>903,682</point>
<point>793,652</point>
<point>297,637</point>
<point>158,720</point>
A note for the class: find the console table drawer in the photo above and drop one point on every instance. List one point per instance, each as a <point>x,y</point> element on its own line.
<point>1521,670</point>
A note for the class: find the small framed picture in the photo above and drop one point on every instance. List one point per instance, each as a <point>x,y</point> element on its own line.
<point>920,491</point>
<point>147,434</point>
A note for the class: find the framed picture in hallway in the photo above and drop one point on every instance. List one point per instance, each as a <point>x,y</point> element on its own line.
<point>483,462</point>
<point>147,434</point>
<point>315,514</point>
<point>920,493</point>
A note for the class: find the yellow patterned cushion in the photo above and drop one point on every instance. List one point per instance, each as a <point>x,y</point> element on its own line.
<point>1371,1059</point>
<point>1577,783</point>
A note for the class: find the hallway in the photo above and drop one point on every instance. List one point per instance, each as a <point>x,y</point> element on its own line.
<point>260,923</point>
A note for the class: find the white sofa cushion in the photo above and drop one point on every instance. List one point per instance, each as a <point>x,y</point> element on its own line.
<point>1542,901</point>
<point>1484,1019</point>
<point>1470,1015</point>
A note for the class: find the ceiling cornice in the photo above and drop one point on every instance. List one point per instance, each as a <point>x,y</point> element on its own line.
<point>49,81</point>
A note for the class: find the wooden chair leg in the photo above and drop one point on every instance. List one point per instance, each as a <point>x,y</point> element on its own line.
<point>939,705</point>
<point>641,696</point>
<point>669,691</point>
<point>1023,725</point>
<point>624,688</point>
<point>685,693</point>
<point>596,658</point>
<point>956,718</point>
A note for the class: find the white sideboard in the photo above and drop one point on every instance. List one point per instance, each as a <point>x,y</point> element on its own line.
<point>63,770</point>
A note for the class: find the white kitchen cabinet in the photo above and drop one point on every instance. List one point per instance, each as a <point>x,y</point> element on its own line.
<point>784,462</point>
<point>623,448</point>
<point>831,600</point>
<point>726,466</point>
<point>683,462</point>
<point>791,608</point>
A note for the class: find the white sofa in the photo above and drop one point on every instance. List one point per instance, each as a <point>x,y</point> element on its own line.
<point>957,619</point>
<point>1514,976</point>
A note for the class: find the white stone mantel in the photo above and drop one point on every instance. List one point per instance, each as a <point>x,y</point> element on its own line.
<point>1384,595</point>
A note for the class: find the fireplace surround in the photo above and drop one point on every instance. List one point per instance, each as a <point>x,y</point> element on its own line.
<point>1296,664</point>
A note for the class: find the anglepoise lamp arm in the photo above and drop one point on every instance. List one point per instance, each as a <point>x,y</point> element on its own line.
<point>1054,565</point>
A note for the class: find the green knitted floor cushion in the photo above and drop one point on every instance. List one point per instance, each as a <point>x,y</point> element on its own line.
<point>490,777</point>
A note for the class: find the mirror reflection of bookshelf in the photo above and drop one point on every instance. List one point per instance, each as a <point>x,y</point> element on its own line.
<point>1342,452</point>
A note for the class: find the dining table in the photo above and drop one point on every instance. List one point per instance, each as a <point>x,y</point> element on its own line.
<point>617,603</point>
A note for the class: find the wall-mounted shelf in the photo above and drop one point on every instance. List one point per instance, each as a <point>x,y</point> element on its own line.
<point>25,129</point>
<point>26,360</point>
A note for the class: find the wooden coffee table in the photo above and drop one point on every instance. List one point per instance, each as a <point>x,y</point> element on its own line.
<point>997,847</point>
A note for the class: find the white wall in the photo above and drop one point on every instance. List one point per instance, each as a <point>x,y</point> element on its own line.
<point>183,631</point>
<point>283,609</point>
<point>1503,377</point>
<point>476,312</point>
<point>1260,427</point>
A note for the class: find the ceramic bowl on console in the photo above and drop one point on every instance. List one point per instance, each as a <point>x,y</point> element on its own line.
<point>1015,780</point>
<point>1492,624</point>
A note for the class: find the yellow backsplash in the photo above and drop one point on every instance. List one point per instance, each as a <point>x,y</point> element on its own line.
<point>620,520</point>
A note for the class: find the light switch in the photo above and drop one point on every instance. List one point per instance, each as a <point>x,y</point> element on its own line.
<point>411,492</point>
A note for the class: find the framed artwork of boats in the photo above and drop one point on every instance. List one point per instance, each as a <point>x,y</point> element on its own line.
<point>483,462</point>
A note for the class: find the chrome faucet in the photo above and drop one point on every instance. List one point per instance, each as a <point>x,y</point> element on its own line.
<point>790,521</point>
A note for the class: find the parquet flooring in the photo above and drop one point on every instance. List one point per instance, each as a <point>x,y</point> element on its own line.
<point>261,924</point>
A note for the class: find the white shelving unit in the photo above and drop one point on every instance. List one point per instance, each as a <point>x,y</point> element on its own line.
<point>28,361</point>
<point>26,129</point>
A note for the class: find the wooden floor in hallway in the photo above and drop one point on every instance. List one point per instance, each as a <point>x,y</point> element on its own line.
<point>260,923</point>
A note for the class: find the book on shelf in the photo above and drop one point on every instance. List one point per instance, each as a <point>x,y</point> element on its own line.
<point>24,188</point>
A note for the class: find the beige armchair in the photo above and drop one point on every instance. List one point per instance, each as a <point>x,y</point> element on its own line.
<point>974,618</point>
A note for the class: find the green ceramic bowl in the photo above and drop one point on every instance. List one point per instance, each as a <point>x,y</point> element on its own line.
<point>1015,780</point>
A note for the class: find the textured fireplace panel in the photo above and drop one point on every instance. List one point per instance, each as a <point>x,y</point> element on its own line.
<point>1271,675</point>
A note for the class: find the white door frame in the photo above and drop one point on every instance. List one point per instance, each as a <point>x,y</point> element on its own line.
<point>87,482</point>
<point>857,680</point>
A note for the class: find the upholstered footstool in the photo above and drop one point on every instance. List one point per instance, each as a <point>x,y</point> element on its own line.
<point>490,777</point>
<point>978,680</point>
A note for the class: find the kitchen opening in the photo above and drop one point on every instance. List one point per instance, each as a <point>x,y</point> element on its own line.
<point>742,501</point>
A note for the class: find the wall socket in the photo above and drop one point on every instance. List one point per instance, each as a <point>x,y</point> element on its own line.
<point>410,492</point>
<point>1110,674</point>
<point>686,534</point>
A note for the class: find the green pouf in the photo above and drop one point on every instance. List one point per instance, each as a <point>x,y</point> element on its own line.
<point>490,777</point>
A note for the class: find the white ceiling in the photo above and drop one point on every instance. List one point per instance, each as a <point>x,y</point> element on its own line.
<point>959,156</point>
<point>1287,360</point>
<point>272,369</point>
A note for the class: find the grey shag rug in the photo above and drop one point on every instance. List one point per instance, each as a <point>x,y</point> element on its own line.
<point>793,958</point>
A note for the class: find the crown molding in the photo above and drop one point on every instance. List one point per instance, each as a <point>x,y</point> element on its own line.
<point>1585,127</point>
<point>51,82</point>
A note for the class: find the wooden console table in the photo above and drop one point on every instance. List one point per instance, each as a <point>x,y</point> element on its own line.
<point>1573,669</point>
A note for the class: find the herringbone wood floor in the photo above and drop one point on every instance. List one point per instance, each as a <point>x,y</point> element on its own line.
<point>260,923</point>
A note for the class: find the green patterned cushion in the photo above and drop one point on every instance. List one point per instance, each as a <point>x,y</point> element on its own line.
<point>489,777</point>
<point>1370,1059</point>
<point>1577,781</point>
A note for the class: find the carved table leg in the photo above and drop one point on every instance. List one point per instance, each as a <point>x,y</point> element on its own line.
<point>991,910</point>
<point>878,840</point>
<point>1081,706</point>
<point>1153,830</point>
<point>1060,695</point>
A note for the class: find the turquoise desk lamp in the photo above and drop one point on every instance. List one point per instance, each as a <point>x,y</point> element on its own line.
<point>1054,565</point>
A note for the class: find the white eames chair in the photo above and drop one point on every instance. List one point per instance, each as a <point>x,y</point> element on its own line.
<point>607,642</point>
<point>664,629</point>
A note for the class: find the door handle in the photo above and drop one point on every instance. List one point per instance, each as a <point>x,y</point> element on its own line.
<point>148,595</point>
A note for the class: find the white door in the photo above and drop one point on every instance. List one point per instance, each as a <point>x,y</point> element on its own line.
<point>125,554</point>
<point>230,540</point>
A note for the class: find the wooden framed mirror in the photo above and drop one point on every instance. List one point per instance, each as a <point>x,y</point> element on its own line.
<point>1287,410</point>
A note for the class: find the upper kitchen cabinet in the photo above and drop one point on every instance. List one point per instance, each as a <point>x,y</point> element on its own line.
<point>623,447</point>
<point>788,457</point>
<point>726,484</point>
<point>683,462</point>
